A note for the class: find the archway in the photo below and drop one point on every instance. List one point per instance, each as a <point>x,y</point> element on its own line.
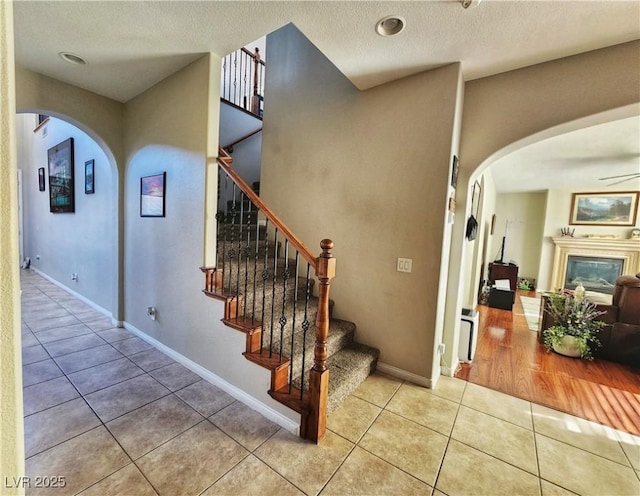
<point>79,250</point>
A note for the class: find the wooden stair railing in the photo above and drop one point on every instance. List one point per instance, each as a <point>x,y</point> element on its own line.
<point>241,302</point>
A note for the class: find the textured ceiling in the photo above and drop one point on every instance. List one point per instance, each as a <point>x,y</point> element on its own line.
<point>131,45</point>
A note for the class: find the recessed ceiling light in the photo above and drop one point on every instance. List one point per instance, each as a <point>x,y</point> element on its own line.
<point>72,58</point>
<point>390,25</point>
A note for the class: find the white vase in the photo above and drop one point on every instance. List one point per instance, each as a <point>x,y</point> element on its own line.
<point>568,346</point>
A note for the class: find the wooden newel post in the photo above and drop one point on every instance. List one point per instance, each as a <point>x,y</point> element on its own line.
<point>319,374</point>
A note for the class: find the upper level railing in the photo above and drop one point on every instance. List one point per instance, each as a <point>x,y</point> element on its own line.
<point>243,80</point>
<point>263,272</point>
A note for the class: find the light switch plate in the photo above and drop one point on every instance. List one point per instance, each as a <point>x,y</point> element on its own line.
<point>404,265</point>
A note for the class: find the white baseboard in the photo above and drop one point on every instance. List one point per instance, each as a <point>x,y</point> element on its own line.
<point>450,371</point>
<point>239,394</point>
<point>405,375</point>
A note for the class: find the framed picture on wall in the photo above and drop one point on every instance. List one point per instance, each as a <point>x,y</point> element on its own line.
<point>89,180</point>
<point>61,184</point>
<point>41,179</point>
<point>604,209</point>
<point>454,172</point>
<point>152,195</point>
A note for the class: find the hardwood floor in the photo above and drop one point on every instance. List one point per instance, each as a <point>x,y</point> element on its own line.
<point>510,359</point>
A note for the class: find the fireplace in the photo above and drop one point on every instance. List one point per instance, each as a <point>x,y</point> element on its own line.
<point>595,273</point>
<point>595,262</point>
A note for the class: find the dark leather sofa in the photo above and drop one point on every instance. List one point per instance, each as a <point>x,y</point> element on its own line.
<point>621,337</point>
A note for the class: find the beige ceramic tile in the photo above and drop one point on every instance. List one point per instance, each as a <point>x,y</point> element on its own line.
<point>378,389</point>
<point>131,345</point>
<point>142,430</point>
<point>37,372</point>
<point>47,394</point>
<point>420,405</point>
<point>352,418</point>
<point>363,473</point>
<point>245,425</point>
<point>549,489</point>
<point>438,493</point>
<point>151,359</point>
<point>467,471</point>
<point>29,339</point>
<point>496,437</point>
<point>175,376</point>
<point>49,427</point>
<point>71,345</point>
<point>74,305</point>
<point>104,375</point>
<point>306,465</point>
<point>198,457</point>
<point>100,323</point>
<point>34,354</point>
<point>80,360</point>
<point>53,323</point>
<point>583,472</point>
<point>583,434</point>
<point>631,446</point>
<point>126,396</point>
<point>63,332</point>
<point>498,404</point>
<point>450,388</point>
<point>82,461</point>
<point>406,445</point>
<point>127,481</point>
<point>205,397</point>
<point>115,334</point>
<point>252,477</point>
<point>45,313</point>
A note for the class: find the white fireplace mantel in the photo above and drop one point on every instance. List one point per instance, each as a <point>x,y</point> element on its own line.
<point>626,249</point>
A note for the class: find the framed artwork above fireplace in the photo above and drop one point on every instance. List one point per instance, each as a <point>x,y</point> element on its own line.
<point>604,209</point>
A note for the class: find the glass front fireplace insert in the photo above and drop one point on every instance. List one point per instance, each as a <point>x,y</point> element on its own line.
<point>595,273</point>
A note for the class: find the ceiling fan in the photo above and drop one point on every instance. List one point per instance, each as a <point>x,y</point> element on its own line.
<point>627,177</point>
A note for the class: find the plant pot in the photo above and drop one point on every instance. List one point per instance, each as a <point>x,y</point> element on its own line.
<point>568,346</point>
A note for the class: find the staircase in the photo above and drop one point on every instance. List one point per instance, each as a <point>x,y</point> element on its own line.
<point>263,274</point>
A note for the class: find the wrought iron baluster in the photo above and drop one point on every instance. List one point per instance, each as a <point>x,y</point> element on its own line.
<point>232,253</point>
<point>225,231</point>
<point>235,78</point>
<point>247,254</point>
<point>273,289</point>
<point>293,319</point>
<point>265,274</point>
<point>230,75</point>
<point>305,328</point>
<point>240,252</point>
<point>255,270</point>
<point>285,274</point>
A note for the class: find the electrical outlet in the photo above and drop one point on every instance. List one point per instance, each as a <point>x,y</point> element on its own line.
<point>404,265</point>
<point>74,277</point>
<point>441,349</point>
<point>152,313</point>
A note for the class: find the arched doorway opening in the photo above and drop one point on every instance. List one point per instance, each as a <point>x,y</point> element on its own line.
<point>78,249</point>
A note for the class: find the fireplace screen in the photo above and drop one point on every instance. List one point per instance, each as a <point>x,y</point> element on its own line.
<point>595,273</point>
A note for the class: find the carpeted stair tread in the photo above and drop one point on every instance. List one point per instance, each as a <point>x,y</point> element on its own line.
<point>347,370</point>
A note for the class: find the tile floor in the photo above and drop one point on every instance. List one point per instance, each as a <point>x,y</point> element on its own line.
<point>114,416</point>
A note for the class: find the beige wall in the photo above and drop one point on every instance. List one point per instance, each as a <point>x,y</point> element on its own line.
<point>11,422</point>
<point>369,170</point>
<point>520,217</point>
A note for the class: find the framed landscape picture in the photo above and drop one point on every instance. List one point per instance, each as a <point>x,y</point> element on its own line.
<point>61,186</point>
<point>152,192</point>
<point>604,209</point>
